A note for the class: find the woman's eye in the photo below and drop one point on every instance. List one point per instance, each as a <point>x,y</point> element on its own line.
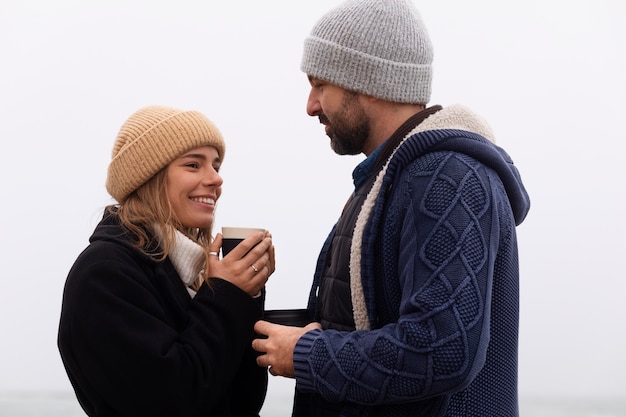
<point>193,165</point>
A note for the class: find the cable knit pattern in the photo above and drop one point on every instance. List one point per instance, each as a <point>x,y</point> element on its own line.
<point>434,284</point>
<point>457,117</point>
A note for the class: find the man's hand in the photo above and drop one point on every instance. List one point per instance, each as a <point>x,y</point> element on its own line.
<point>277,348</point>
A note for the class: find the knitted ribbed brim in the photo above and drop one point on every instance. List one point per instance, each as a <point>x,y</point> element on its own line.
<point>375,47</point>
<point>152,138</point>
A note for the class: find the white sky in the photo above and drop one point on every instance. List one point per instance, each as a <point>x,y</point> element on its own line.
<point>547,74</point>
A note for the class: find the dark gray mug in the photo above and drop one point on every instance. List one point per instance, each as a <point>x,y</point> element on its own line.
<point>299,317</point>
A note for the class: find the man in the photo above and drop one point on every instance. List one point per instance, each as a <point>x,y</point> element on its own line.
<point>415,294</point>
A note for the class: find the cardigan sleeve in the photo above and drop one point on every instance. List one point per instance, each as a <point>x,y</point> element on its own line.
<point>430,262</point>
<point>132,348</point>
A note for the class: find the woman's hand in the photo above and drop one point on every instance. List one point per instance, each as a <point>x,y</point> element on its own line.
<point>248,265</point>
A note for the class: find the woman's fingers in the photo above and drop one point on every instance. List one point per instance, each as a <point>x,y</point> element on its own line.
<point>216,244</point>
<point>248,265</point>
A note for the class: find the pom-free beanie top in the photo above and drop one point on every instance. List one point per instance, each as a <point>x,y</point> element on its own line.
<point>380,48</point>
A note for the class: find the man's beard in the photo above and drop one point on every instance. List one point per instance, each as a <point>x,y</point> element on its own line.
<point>350,127</point>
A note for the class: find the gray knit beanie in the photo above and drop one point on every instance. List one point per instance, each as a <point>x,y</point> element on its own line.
<point>375,47</point>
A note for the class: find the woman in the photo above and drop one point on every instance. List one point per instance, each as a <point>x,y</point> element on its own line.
<point>153,322</point>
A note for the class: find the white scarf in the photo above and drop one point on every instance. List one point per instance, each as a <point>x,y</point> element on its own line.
<point>187,257</point>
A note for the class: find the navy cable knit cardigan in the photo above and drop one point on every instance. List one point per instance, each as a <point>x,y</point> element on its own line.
<point>434,282</point>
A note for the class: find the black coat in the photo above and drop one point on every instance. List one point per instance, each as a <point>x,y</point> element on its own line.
<point>134,343</point>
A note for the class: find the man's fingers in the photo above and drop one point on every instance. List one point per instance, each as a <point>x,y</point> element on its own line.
<point>262,327</point>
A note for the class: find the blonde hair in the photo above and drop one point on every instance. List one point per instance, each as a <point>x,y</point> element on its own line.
<point>148,208</point>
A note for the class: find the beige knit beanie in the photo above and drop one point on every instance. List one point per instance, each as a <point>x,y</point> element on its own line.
<point>380,48</point>
<point>152,138</point>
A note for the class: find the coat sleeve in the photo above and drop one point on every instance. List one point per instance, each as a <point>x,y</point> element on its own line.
<point>431,267</point>
<point>128,354</point>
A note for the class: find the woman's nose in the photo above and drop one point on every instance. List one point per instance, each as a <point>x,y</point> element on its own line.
<point>213,178</point>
